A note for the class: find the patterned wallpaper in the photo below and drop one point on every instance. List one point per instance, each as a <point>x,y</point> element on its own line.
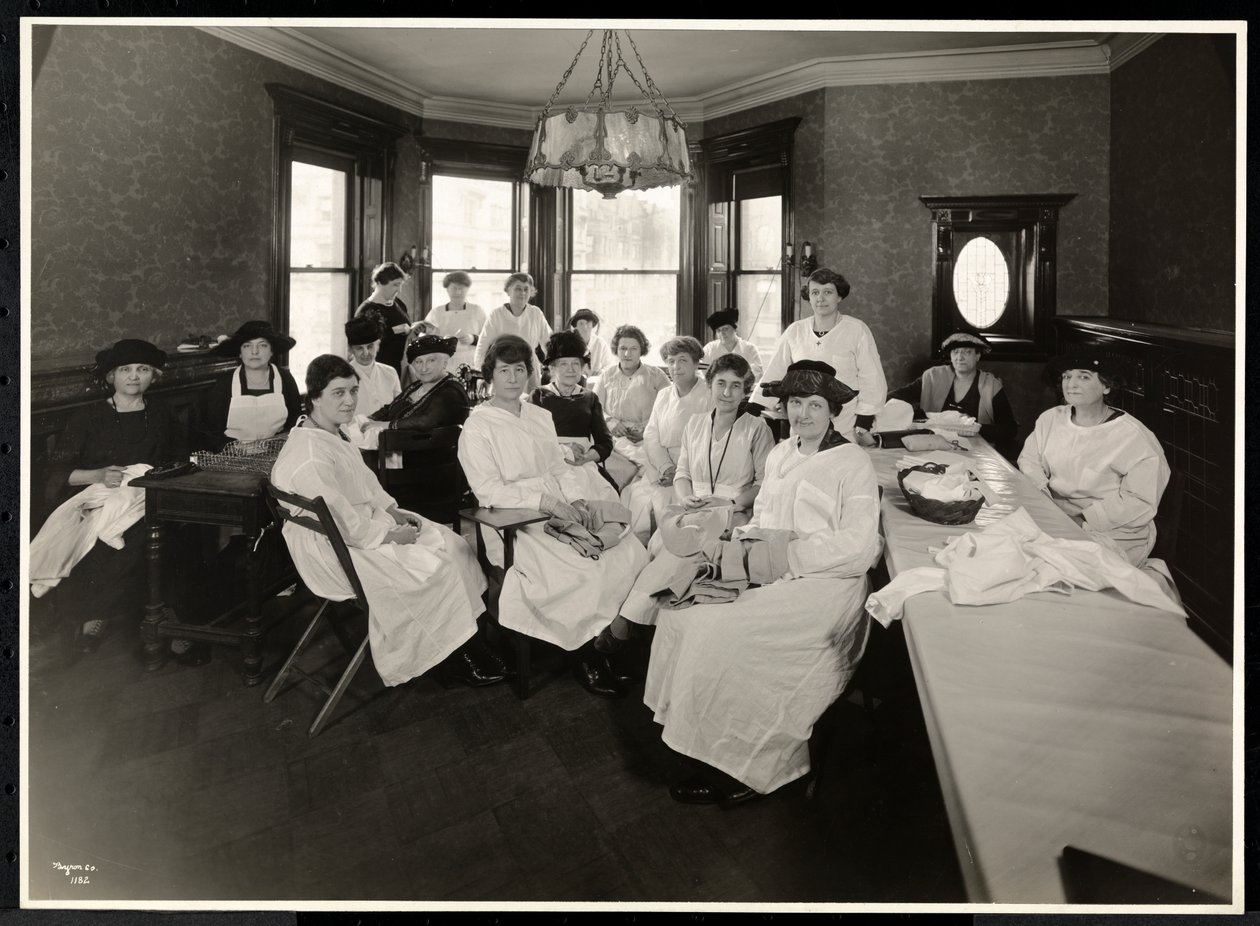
<point>151,184</point>
<point>864,155</point>
<point>1173,199</point>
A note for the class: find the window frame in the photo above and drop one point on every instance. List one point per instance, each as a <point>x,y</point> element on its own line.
<point>1033,220</point>
<point>302,122</point>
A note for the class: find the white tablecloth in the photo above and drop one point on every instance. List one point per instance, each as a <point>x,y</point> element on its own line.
<point>1055,721</point>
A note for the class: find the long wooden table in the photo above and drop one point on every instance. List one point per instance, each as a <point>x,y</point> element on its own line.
<point>1058,721</point>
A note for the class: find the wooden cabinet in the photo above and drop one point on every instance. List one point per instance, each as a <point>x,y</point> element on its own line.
<point>1180,384</point>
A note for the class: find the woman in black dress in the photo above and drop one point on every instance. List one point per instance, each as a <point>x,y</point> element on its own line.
<point>435,398</point>
<point>258,399</point>
<point>100,441</point>
<point>577,414</point>
<point>960,385</point>
<point>385,307</point>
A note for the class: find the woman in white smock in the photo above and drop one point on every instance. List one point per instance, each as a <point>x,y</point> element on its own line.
<point>843,343</point>
<point>459,319</point>
<point>422,580</point>
<point>586,323</point>
<point>378,383</point>
<point>674,406</point>
<point>626,390</point>
<point>1103,467</point>
<point>512,459</point>
<point>739,686</point>
<point>517,316</point>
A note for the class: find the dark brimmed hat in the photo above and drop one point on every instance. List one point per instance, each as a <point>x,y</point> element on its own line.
<point>431,344</point>
<point>724,317</point>
<point>813,377</point>
<point>584,315</point>
<point>966,339</point>
<point>362,330</point>
<point>566,344</point>
<point>251,331</point>
<point>129,350</point>
<point>1085,360</point>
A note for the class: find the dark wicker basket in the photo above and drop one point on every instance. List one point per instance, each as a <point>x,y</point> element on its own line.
<point>930,509</point>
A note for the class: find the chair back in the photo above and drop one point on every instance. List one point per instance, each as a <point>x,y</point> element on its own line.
<point>431,481</point>
<point>313,514</point>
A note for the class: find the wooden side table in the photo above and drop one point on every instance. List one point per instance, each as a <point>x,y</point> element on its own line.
<point>219,499</point>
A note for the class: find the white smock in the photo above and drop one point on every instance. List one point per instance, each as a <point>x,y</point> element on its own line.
<point>849,348</point>
<point>1112,474</point>
<point>628,399</point>
<point>739,686</point>
<point>662,444</point>
<point>378,386</point>
<point>531,325</point>
<point>254,417</point>
<point>552,592</point>
<point>423,597</point>
<point>452,323</point>
<point>745,349</point>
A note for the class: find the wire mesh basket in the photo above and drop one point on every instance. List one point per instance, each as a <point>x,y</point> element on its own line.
<point>931,509</point>
<point>244,456</point>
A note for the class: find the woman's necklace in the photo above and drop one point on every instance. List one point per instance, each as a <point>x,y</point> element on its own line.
<point>792,461</point>
<point>713,473</point>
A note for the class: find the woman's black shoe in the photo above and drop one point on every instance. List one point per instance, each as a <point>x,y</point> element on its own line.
<point>742,795</point>
<point>597,676</point>
<point>89,636</point>
<point>463,669</point>
<point>695,790</point>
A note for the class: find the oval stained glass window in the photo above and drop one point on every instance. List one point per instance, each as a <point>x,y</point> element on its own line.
<point>982,283</point>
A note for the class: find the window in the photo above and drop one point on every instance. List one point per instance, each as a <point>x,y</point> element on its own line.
<point>477,219</point>
<point>625,261</point>
<point>473,230</point>
<point>995,270</point>
<point>748,193</point>
<point>332,169</point>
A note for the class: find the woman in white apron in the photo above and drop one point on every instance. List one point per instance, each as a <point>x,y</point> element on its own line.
<point>378,383</point>
<point>577,415</point>
<point>459,319</point>
<point>421,579</point>
<point>258,399</point>
<point>512,459</point>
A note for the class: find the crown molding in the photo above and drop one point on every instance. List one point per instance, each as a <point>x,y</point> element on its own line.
<point>299,51</point>
<point>1125,45</point>
<point>1054,59</point>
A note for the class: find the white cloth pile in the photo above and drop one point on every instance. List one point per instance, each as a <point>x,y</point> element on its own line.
<point>952,423</point>
<point>957,483</point>
<point>96,513</point>
<point>1014,558</point>
<point>896,415</point>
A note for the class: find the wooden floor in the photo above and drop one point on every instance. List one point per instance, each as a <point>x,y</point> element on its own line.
<point>182,784</point>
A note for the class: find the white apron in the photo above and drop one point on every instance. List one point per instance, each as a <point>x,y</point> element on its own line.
<point>253,417</point>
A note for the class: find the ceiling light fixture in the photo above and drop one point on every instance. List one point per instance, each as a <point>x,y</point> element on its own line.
<point>609,150</point>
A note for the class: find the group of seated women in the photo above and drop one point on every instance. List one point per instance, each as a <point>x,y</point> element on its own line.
<point>749,559</point>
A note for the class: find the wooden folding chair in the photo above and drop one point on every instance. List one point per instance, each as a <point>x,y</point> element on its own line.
<point>313,514</point>
<point>431,482</point>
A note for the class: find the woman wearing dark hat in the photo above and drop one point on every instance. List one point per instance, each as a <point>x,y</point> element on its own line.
<point>258,399</point>
<point>435,398</point>
<point>842,342</point>
<point>725,325</point>
<point>738,686</point>
<point>577,414</point>
<point>100,446</point>
<point>1104,468</point>
<point>458,319</point>
<point>384,307</point>
<point>960,385</point>
<point>378,383</point>
<point>585,322</point>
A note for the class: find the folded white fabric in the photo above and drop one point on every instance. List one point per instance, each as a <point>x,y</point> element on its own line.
<point>1013,558</point>
<point>953,421</point>
<point>951,487</point>
<point>896,415</point>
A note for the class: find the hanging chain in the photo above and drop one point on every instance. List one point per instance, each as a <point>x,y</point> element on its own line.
<point>560,86</point>
<point>647,78</point>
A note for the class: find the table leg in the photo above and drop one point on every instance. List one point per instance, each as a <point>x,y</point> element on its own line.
<point>155,610</point>
<point>251,638</point>
<point>522,641</point>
